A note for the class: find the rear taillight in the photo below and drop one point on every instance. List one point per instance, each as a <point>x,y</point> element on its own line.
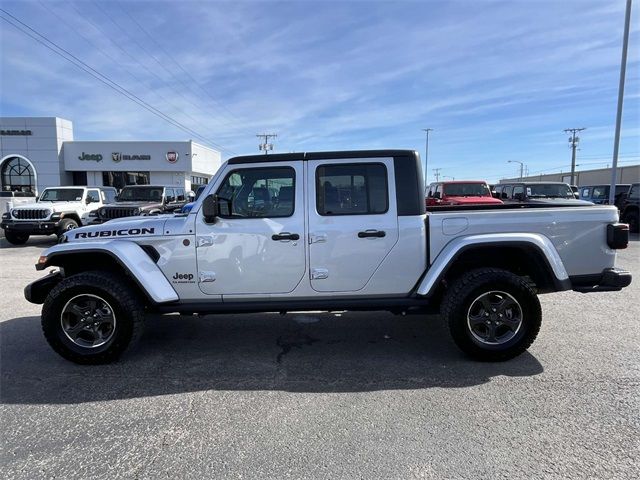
<point>618,235</point>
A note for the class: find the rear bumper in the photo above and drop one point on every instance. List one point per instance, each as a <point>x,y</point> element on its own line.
<point>32,228</point>
<point>610,280</point>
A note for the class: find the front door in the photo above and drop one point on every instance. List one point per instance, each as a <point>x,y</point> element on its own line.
<point>256,246</point>
<point>353,223</point>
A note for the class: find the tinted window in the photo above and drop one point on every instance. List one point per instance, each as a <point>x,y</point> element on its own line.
<point>466,190</point>
<point>634,193</point>
<point>140,194</point>
<point>93,195</point>
<point>352,189</point>
<point>600,192</point>
<point>506,191</point>
<point>550,190</point>
<point>180,194</point>
<point>109,195</point>
<point>518,189</point>
<point>585,192</point>
<point>258,193</point>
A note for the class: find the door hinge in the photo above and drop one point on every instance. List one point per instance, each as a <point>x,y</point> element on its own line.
<point>319,274</point>
<point>206,277</point>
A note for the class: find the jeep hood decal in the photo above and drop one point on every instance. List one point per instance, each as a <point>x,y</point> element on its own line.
<point>122,228</point>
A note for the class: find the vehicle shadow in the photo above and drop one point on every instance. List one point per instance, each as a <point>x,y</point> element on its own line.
<point>350,352</point>
<point>35,241</point>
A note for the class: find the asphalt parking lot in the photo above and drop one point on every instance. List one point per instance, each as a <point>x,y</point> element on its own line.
<point>356,395</point>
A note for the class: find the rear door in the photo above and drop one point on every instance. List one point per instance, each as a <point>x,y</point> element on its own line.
<point>352,219</point>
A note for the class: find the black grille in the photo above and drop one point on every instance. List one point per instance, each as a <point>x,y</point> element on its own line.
<point>31,214</point>
<point>119,212</point>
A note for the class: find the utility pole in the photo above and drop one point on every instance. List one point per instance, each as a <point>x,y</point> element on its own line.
<point>574,144</point>
<point>448,176</point>
<point>265,145</point>
<point>436,172</point>
<point>623,70</point>
<point>426,154</point>
<point>521,166</point>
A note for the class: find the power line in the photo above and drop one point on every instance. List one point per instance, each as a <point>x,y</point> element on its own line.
<point>133,75</point>
<point>40,38</point>
<point>185,71</point>
<point>436,173</point>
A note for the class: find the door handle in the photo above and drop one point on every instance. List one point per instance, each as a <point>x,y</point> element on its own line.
<point>372,234</point>
<point>285,236</point>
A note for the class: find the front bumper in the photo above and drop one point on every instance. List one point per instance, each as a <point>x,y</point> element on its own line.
<point>610,280</point>
<point>45,227</point>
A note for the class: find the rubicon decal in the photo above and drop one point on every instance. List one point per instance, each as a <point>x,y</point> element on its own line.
<point>125,232</point>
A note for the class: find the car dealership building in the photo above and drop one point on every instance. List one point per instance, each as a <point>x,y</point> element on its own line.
<point>40,152</point>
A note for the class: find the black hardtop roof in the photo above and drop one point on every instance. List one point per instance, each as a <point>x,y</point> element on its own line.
<point>150,186</point>
<point>532,183</point>
<point>283,157</point>
<point>591,185</point>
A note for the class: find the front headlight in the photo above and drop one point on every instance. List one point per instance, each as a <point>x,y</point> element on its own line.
<point>13,213</point>
<point>102,212</point>
<point>93,214</point>
<point>56,216</point>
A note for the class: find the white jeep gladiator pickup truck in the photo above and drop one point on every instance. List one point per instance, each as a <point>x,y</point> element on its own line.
<point>326,231</point>
<point>56,211</point>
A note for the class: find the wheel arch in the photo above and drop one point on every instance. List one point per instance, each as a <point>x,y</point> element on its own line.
<point>123,257</point>
<point>529,255</point>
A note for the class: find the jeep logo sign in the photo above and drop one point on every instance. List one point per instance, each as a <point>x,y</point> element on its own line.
<point>172,157</point>
<point>95,157</point>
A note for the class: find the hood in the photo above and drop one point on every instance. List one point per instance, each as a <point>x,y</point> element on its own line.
<point>52,206</point>
<point>132,203</point>
<point>127,227</point>
<point>473,200</point>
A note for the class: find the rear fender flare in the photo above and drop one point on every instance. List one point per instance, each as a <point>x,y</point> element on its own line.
<point>456,247</point>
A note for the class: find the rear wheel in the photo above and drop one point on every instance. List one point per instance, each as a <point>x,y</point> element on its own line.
<point>16,238</point>
<point>492,314</point>
<point>92,317</point>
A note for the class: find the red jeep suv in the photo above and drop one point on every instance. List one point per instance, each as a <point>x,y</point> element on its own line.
<point>465,192</point>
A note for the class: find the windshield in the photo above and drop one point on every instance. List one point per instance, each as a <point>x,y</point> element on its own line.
<point>199,191</point>
<point>550,190</point>
<point>141,194</point>
<point>467,190</point>
<point>62,195</point>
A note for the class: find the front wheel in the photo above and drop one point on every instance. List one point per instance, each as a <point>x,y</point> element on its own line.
<point>92,317</point>
<point>15,238</point>
<point>65,225</point>
<point>632,218</point>
<point>493,314</point>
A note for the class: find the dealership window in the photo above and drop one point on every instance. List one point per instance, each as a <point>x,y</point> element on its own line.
<point>79,178</point>
<point>122,179</point>
<point>17,176</point>
<point>197,181</point>
<point>352,189</point>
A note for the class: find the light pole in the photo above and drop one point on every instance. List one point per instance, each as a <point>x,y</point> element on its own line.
<point>426,153</point>
<point>521,166</point>
<point>623,71</point>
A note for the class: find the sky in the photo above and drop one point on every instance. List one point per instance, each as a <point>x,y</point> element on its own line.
<point>495,80</point>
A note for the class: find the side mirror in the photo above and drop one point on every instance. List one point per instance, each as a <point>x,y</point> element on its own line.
<point>518,196</point>
<point>87,200</point>
<point>436,195</point>
<point>210,209</point>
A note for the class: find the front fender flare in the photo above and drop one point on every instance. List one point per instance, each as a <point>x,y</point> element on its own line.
<point>129,255</point>
<point>457,246</point>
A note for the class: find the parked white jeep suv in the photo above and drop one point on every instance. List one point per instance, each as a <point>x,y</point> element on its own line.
<point>56,211</point>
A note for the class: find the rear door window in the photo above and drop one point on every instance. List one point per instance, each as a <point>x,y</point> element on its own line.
<point>352,189</point>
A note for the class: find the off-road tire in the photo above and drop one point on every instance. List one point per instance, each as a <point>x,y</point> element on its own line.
<point>65,225</point>
<point>121,296</point>
<point>632,217</point>
<point>467,288</point>
<point>15,238</point>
